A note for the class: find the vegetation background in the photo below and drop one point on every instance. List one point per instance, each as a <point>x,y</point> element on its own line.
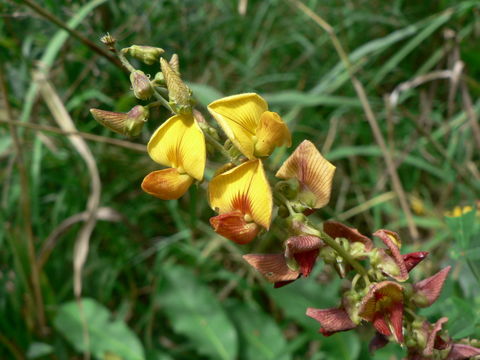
<point>158,283</point>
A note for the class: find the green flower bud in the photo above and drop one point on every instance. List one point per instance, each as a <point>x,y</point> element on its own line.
<point>142,88</point>
<point>357,249</point>
<point>179,94</point>
<point>289,188</point>
<point>130,123</point>
<point>158,79</point>
<point>147,54</point>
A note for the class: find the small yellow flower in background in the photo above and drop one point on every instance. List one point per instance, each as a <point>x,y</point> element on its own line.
<point>243,198</point>
<point>246,121</point>
<point>458,211</point>
<point>313,172</point>
<point>179,144</point>
<point>417,205</point>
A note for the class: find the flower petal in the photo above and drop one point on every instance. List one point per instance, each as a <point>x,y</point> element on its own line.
<point>432,336</point>
<point>413,259</point>
<point>272,266</point>
<point>234,227</point>
<point>428,290</point>
<point>166,184</point>
<point>239,117</point>
<point>461,351</point>
<point>374,302</point>
<point>396,320</point>
<point>313,171</point>
<point>272,132</point>
<point>299,244</point>
<point>244,188</point>
<point>338,230</point>
<point>332,320</point>
<point>306,260</point>
<point>377,342</point>
<point>179,143</point>
<point>392,240</point>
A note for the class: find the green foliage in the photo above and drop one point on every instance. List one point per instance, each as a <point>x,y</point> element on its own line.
<point>90,326</point>
<point>194,312</point>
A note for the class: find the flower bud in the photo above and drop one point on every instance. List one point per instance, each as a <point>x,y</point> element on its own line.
<point>288,188</point>
<point>175,63</point>
<point>130,123</point>
<point>142,88</point>
<point>147,54</point>
<point>179,95</point>
<point>158,79</point>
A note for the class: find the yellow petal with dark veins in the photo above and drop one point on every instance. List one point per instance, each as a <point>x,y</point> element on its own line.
<point>179,143</point>
<point>313,171</point>
<point>239,116</point>
<point>167,184</point>
<point>272,132</point>
<point>244,188</point>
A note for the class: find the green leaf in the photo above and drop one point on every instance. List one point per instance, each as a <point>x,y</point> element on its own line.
<point>259,335</point>
<point>195,312</point>
<point>37,349</point>
<point>345,346</point>
<point>293,97</point>
<point>106,335</point>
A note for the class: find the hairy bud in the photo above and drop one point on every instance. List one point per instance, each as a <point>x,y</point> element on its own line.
<point>179,94</point>
<point>130,123</point>
<point>141,86</point>
<point>147,54</point>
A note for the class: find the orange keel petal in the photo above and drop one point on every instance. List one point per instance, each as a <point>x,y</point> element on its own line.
<point>234,227</point>
<point>167,184</point>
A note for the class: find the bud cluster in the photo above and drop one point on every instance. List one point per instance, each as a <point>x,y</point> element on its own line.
<point>240,193</point>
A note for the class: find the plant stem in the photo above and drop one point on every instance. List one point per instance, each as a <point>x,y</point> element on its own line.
<point>52,18</point>
<point>25,208</point>
<point>162,100</point>
<point>343,253</point>
<point>212,141</point>
<point>126,64</point>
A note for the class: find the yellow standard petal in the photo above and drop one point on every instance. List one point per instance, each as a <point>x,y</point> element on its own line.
<point>239,116</point>
<point>272,132</point>
<point>313,172</point>
<point>244,188</point>
<point>167,184</point>
<point>179,143</point>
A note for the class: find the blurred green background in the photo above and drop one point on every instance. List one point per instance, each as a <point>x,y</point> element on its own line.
<point>158,283</point>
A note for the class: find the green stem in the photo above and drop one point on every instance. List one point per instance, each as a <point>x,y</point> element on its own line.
<point>212,141</point>
<point>163,101</point>
<point>154,104</point>
<point>126,64</point>
<point>343,253</point>
<point>282,199</point>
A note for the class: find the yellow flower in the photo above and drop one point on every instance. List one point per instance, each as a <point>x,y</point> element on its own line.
<point>179,144</point>
<point>246,121</point>
<point>243,198</point>
<point>458,211</point>
<point>313,172</point>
